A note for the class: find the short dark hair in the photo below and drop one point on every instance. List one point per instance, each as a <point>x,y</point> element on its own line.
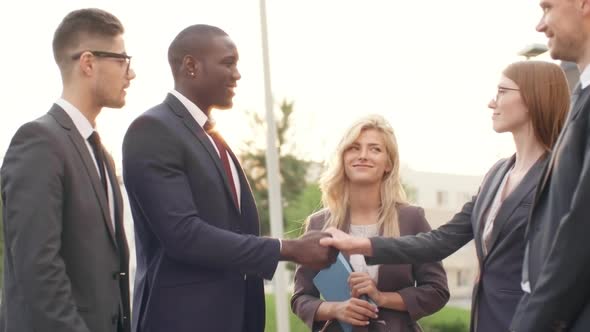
<point>83,23</point>
<point>194,40</point>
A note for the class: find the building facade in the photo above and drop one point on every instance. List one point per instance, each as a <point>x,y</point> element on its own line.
<point>441,196</point>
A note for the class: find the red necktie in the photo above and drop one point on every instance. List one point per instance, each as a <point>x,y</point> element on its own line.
<point>224,159</point>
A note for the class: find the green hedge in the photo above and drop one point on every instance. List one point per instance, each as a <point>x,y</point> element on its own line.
<point>448,319</point>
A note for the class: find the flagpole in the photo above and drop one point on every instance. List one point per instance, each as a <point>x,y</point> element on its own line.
<point>274,185</point>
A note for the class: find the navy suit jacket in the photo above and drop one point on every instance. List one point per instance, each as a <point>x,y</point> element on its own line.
<point>200,262</point>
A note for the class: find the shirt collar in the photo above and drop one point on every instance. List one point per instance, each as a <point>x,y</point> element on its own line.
<point>193,109</point>
<point>80,121</point>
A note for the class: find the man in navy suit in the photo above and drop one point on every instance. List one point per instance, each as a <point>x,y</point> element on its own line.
<point>200,261</point>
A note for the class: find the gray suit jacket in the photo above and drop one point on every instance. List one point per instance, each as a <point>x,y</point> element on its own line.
<point>558,234</point>
<point>497,290</point>
<point>62,264</point>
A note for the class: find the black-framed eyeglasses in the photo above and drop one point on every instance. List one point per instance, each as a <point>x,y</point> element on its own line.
<point>103,54</point>
<point>501,90</point>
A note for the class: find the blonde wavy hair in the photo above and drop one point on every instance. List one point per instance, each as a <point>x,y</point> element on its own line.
<point>334,183</point>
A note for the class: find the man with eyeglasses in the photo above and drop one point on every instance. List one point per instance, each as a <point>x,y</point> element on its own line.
<point>65,254</point>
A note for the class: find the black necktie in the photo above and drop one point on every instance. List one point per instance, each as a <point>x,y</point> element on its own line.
<point>96,145</point>
<point>105,171</point>
<point>209,128</point>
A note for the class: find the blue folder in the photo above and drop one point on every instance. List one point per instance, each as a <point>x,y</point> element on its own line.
<point>332,283</point>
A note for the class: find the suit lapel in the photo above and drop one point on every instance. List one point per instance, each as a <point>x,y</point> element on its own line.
<point>578,103</point>
<point>489,191</point>
<point>192,125</point>
<point>514,199</point>
<point>66,122</point>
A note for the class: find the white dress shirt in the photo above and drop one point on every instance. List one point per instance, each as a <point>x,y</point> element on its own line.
<point>358,261</point>
<point>85,129</point>
<point>585,77</point>
<point>493,212</point>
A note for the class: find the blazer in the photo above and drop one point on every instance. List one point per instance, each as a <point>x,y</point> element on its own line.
<point>423,287</point>
<point>63,270</point>
<point>557,233</point>
<point>200,262</point>
<point>497,290</point>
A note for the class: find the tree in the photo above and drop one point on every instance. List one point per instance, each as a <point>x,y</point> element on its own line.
<point>292,168</point>
<point>296,213</point>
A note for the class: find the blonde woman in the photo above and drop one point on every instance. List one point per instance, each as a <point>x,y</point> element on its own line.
<point>362,195</point>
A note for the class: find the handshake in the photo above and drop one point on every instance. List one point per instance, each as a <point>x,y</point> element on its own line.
<point>318,250</point>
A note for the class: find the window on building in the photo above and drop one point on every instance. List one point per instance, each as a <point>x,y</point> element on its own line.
<point>463,198</point>
<point>442,198</point>
<point>461,278</point>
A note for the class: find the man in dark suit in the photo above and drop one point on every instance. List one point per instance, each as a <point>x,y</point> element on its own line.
<point>200,261</point>
<point>556,270</point>
<point>65,253</point>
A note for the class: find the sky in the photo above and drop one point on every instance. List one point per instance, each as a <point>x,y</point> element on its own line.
<point>430,67</point>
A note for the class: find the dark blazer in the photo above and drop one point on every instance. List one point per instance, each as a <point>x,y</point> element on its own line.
<point>497,292</point>
<point>423,287</point>
<point>557,234</point>
<point>200,262</point>
<point>61,261</point>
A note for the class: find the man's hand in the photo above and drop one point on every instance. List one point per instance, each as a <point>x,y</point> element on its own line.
<point>362,284</point>
<point>349,244</point>
<point>307,251</point>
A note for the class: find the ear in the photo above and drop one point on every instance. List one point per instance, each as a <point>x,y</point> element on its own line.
<point>191,66</point>
<point>388,168</point>
<point>86,64</point>
<point>585,7</point>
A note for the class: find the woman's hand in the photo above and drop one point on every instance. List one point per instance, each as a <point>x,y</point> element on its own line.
<point>337,234</point>
<point>354,311</point>
<point>349,244</point>
<point>362,284</point>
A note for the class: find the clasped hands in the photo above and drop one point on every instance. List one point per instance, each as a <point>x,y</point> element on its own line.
<point>347,243</point>
<point>318,250</point>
